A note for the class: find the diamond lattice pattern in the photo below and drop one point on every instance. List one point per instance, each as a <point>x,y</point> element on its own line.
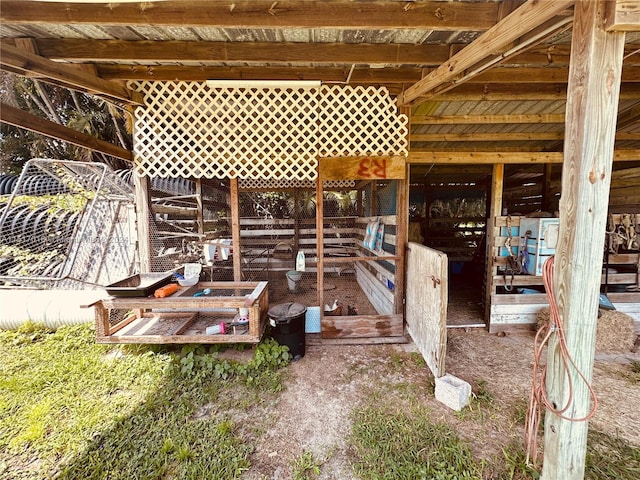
<point>188,129</point>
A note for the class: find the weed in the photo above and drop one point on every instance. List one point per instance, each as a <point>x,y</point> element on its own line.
<point>64,415</point>
<point>480,404</point>
<point>610,457</point>
<point>305,467</point>
<point>400,445</point>
<point>514,464</point>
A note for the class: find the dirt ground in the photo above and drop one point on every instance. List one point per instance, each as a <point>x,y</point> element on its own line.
<point>313,414</point>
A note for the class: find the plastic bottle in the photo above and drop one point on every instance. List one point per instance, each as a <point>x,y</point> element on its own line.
<point>300,261</point>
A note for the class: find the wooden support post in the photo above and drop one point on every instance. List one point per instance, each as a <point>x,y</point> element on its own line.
<point>143,220</point>
<point>495,205</point>
<point>402,231</point>
<point>592,101</point>
<point>320,243</point>
<point>546,188</point>
<point>235,229</point>
<point>200,206</point>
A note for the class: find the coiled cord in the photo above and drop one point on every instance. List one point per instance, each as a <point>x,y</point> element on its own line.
<point>539,396</point>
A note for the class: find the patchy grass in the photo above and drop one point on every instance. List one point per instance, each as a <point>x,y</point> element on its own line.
<point>306,467</point>
<point>401,445</point>
<point>611,458</point>
<point>77,410</point>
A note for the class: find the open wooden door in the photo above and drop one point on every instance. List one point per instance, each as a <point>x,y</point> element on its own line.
<point>426,304</point>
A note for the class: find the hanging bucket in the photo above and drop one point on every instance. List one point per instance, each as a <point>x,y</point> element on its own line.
<point>293,278</point>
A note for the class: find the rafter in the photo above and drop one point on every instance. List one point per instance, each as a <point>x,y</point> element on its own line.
<point>20,118</point>
<point>260,14</point>
<point>28,64</point>
<point>623,15</point>
<point>485,119</point>
<point>477,158</point>
<point>490,48</point>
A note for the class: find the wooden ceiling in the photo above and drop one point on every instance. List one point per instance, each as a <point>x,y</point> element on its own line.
<point>483,81</point>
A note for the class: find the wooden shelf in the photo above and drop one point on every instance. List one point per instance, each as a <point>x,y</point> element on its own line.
<point>183,318</point>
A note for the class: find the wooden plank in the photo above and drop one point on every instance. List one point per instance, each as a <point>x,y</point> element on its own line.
<point>142,189</point>
<point>151,51</point>
<point>22,119</point>
<point>236,237</point>
<point>487,137</point>
<point>361,168</point>
<point>448,16</point>
<point>535,118</point>
<point>379,295</point>
<point>426,304</point>
<point>28,63</point>
<point>495,202</point>
<point>400,242</point>
<point>623,15</point>
<point>255,294</point>
<point>120,325</point>
<point>594,85</point>
<point>362,326</point>
<point>499,38</point>
<point>320,247</point>
<point>417,157</point>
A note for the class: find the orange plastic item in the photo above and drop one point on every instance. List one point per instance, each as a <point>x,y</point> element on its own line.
<point>166,290</point>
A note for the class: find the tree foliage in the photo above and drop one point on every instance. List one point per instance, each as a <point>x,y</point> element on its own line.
<point>75,110</point>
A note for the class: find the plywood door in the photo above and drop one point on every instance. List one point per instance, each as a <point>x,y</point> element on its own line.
<point>426,304</point>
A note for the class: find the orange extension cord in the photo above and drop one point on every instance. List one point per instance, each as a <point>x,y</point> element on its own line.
<point>538,387</point>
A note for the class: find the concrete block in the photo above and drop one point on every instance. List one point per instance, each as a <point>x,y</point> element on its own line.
<point>453,392</point>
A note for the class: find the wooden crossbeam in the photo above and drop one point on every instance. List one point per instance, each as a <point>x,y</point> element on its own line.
<point>536,118</point>
<point>485,48</point>
<point>623,15</point>
<point>20,118</point>
<point>29,64</point>
<point>417,157</point>
<point>342,14</point>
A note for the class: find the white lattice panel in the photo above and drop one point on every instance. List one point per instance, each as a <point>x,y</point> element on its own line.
<point>358,121</point>
<point>187,129</point>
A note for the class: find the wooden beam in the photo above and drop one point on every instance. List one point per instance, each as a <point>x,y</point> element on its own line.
<point>536,118</point>
<point>486,137</point>
<point>157,51</point>
<point>148,51</point>
<point>30,64</point>
<point>594,82</point>
<point>417,157</point>
<point>486,47</point>
<point>427,15</point>
<point>19,118</point>
<point>623,16</point>
<point>505,137</point>
<point>144,216</point>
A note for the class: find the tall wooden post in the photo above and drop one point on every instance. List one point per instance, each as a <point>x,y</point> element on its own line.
<point>495,203</point>
<point>592,101</point>
<point>235,229</point>
<point>142,187</point>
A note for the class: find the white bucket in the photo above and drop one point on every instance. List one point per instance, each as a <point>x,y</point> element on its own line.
<point>293,278</point>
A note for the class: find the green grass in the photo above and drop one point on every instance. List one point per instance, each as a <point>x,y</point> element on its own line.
<point>609,457</point>
<point>401,445</point>
<point>71,408</point>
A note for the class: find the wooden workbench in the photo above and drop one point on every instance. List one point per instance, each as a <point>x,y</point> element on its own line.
<point>183,318</point>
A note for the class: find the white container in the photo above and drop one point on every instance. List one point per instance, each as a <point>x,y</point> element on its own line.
<point>541,237</point>
<point>293,278</point>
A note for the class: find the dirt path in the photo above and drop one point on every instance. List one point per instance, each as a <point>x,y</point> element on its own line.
<point>313,414</point>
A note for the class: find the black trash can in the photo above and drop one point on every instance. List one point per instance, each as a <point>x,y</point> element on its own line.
<point>287,327</point>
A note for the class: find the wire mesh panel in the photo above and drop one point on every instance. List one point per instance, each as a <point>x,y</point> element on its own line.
<point>66,223</point>
<point>359,261</point>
